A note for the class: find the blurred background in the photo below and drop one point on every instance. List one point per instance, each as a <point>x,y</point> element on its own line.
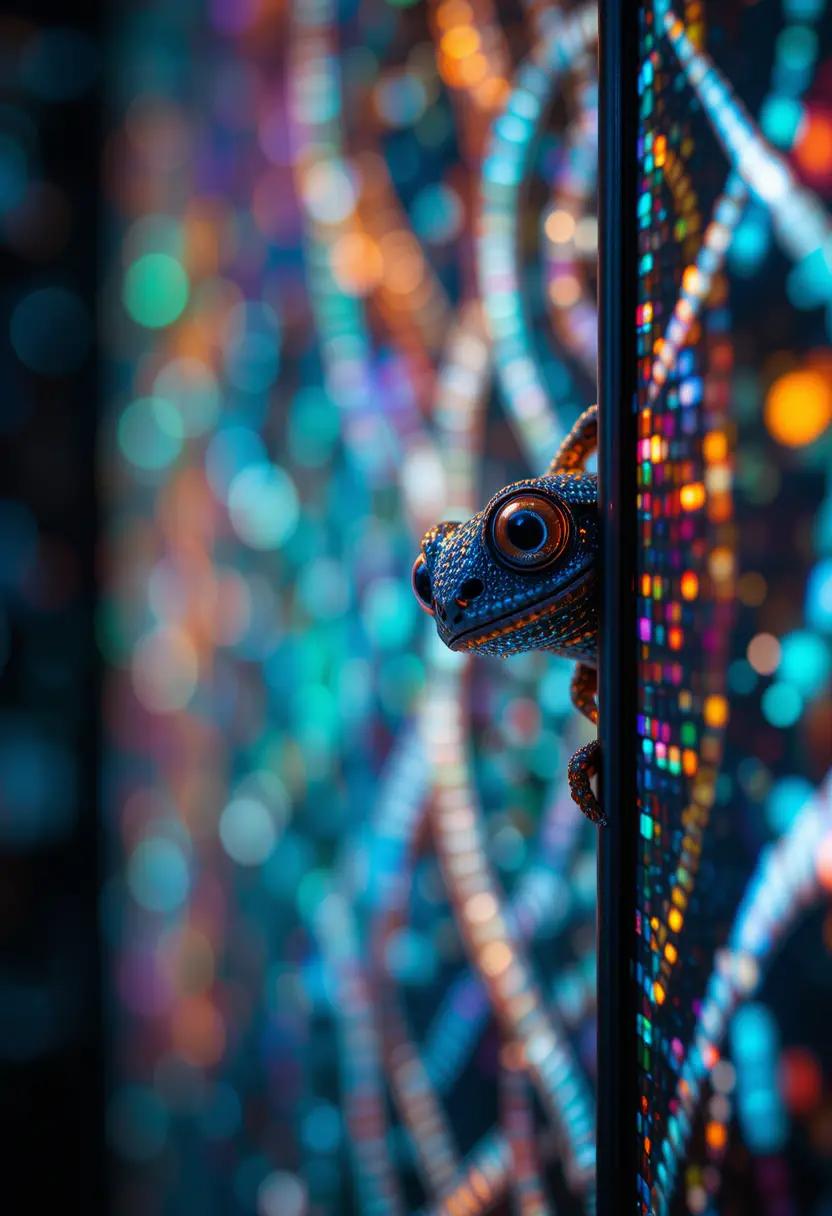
<point>283,286</point>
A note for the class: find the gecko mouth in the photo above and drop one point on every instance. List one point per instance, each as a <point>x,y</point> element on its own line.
<point>513,622</point>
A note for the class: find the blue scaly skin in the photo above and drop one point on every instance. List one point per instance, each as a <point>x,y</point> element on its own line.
<point>523,575</point>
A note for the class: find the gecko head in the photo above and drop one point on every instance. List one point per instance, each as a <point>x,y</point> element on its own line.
<point>521,574</point>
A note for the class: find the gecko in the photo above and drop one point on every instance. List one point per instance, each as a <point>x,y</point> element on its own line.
<point>522,574</point>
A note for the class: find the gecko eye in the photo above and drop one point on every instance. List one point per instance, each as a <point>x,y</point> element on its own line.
<point>421,585</point>
<point>529,531</point>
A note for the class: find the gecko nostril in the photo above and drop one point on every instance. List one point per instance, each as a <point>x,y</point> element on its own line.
<point>471,589</point>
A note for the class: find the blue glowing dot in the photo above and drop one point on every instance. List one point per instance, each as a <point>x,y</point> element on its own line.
<point>39,785</point>
<point>150,433</point>
<point>157,875</point>
<point>324,589</point>
<point>742,678</point>
<point>805,662</point>
<point>50,331</point>
<point>401,99</point>
<point>389,612</point>
<point>554,689</point>
<point>782,704</point>
<point>802,10</point>
<point>755,1048</point>
<point>263,506</point>
<point>252,350</point>
<point>314,427</point>
<point>437,213</point>
<point>780,118</point>
<point>400,679</point>
<point>287,864</point>
<point>247,831</point>
<point>819,597</point>
<point>311,891</point>
<point>252,362</point>
<point>797,47</point>
<point>809,284</point>
<point>320,1129</point>
<point>410,957</point>
<point>750,241</point>
<point>137,1123</point>
<point>508,848</point>
<point>785,801</point>
<point>231,450</point>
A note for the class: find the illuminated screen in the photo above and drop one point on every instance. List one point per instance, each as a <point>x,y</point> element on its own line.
<point>734,607</point>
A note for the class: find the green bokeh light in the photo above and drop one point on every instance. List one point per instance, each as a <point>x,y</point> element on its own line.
<point>156,290</point>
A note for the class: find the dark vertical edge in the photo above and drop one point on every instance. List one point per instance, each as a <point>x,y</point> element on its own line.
<point>617,728</point>
<point>100,1175</point>
<point>88,1105</point>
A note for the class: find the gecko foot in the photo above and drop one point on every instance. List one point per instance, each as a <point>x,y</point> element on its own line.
<point>582,766</point>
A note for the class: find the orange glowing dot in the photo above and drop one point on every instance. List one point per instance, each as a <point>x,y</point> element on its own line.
<point>493,92</point>
<point>813,147</point>
<point>459,41</point>
<point>710,1055</point>
<point>472,69</point>
<point>356,263</point>
<point>691,280</point>
<point>690,762</point>
<point>565,291</point>
<point>823,861</point>
<point>721,565</point>
<point>675,919</point>
<point>560,226</point>
<point>715,447</point>
<point>763,653</point>
<point>454,12</point>
<point>671,953</point>
<point>495,958</point>
<point>659,993</point>
<point>690,585</point>
<point>675,638</point>
<point>480,1186</point>
<point>692,496</point>
<point>716,1134</point>
<point>716,711</point>
<point>799,407</point>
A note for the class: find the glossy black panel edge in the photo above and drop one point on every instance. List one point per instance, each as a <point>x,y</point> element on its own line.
<point>617,730</point>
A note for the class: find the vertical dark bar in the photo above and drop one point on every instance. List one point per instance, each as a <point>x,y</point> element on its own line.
<point>51,1009</point>
<point>616,470</point>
